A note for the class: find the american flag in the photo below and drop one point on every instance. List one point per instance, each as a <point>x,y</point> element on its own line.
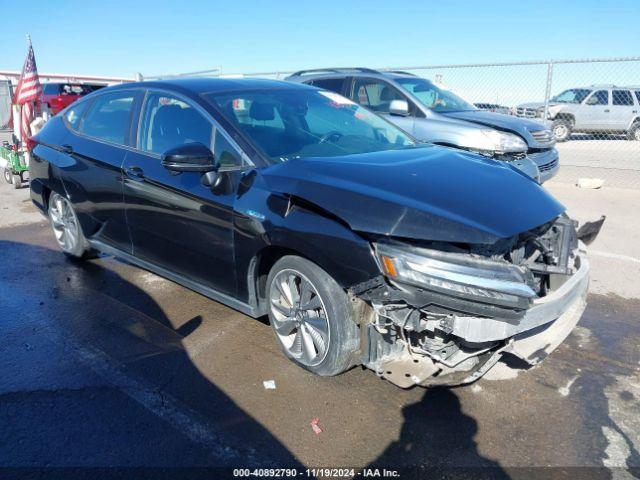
<point>28,91</point>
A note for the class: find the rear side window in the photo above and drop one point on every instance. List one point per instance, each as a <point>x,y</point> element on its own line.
<point>333,84</point>
<point>74,114</point>
<point>71,89</point>
<point>108,117</point>
<point>638,96</point>
<point>622,97</point>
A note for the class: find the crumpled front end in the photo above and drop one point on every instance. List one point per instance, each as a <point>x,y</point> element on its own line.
<point>444,314</point>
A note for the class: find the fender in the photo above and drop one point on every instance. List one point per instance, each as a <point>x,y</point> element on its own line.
<point>287,224</point>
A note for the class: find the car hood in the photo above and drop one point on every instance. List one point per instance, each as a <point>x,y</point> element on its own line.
<point>541,104</point>
<point>500,121</point>
<point>428,193</point>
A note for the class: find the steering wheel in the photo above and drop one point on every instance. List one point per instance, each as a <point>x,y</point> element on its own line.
<point>331,134</point>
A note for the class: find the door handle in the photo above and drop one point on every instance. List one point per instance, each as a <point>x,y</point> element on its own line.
<point>68,149</point>
<point>135,173</point>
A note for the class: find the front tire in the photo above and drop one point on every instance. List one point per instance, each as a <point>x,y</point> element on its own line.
<point>561,129</point>
<point>634,132</point>
<point>67,229</point>
<point>17,181</point>
<point>311,316</point>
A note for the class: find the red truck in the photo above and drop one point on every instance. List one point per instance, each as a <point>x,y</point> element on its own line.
<point>60,95</point>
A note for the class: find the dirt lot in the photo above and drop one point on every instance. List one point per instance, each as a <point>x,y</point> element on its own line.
<point>105,365</point>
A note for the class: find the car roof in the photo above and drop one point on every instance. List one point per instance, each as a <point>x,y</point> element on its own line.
<point>200,85</point>
<point>303,75</point>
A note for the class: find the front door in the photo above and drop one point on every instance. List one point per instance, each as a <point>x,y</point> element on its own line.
<point>176,221</point>
<point>594,112</point>
<point>377,95</point>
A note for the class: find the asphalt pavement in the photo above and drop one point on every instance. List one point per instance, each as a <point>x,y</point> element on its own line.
<point>109,371</point>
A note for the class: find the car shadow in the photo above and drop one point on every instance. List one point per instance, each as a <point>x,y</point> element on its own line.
<point>98,383</point>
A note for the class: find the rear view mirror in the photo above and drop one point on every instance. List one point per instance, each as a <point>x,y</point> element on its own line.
<point>191,157</point>
<point>399,108</point>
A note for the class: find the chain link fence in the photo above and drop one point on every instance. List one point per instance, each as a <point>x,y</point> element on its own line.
<point>592,106</point>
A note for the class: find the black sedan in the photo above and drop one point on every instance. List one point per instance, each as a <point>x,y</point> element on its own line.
<point>363,246</point>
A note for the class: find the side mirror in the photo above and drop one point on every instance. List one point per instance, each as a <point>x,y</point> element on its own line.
<point>399,108</point>
<point>592,101</point>
<point>190,157</point>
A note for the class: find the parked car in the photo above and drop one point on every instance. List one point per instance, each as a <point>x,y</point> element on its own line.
<point>434,114</point>
<point>57,96</point>
<point>494,107</point>
<point>363,246</point>
<point>604,109</point>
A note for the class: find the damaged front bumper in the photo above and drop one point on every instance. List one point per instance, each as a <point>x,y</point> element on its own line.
<point>418,337</point>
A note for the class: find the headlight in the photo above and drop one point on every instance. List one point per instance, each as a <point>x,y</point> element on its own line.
<point>505,142</point>
<point>552,111</point>
<point>455,274</point>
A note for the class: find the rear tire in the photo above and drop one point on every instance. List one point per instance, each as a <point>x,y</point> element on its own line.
<point>561,129</point>
<point>67,229</point>
<point>6,173</point>
<point>324,339</point>
<point>634,132</point>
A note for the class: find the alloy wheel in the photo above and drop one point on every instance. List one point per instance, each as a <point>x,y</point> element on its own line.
<point>560,131</point>
<point>636,134</point>
<point>300,317</point>
<point>64,222</point>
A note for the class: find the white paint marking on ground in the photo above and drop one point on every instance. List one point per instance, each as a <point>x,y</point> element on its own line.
<point>617,449</point>
<point>153,280</point>
<point>475,388</point>
<point>164,406</point>
<point>186,421</point>
<point>614,256</point>
<point>566,390</point>
<point>623,398</point>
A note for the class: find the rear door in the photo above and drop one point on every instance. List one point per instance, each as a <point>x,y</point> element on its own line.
<point>622,107</point>
<point>98,141</point>
<point>177,222</point>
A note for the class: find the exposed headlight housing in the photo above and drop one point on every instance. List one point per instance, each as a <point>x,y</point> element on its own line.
<point>506,142</point>
<point>455,274</point>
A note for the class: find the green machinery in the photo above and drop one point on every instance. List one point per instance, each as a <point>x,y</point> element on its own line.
<point>13,165</point>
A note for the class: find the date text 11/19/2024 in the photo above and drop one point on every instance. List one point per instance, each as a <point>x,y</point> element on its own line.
<point>315,472</point>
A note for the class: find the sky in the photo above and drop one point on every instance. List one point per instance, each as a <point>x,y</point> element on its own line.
<point>122,38</point>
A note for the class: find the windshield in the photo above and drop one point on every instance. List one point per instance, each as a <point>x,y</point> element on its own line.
<point>298,123</point>
<point>575,95</point>
<point>434,98</point>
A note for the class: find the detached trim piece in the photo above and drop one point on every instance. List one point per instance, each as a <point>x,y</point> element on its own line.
<point>185,282</point>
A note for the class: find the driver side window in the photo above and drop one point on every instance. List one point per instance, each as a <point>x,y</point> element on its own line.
<point>601,97</point>
<point>374,94</point>
<point>168,122</point>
